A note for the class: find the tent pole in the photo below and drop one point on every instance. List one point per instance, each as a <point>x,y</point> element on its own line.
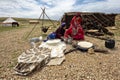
<point>49,18</point>
<point>34,26</point>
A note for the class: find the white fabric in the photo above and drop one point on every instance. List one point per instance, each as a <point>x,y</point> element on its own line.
<point>31,58</point>
<point>53,42</point>
<point>56,61</point>
<point>56,49</point>
<point>34,55</point>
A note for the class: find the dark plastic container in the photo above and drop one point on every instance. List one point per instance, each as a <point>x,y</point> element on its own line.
<point>110,43</point>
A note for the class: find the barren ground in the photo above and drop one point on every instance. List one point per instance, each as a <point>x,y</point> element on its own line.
<point>77,66</point>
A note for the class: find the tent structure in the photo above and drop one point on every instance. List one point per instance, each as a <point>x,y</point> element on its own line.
<point>10,22</point>
<point>88,17</point>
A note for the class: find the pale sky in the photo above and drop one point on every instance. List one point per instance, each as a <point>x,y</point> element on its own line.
<point>55,8</point>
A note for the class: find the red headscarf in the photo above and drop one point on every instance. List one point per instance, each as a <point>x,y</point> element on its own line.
<point>76,22</point>
<point>75,30</point>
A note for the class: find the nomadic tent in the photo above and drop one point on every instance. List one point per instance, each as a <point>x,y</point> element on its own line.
<point>101,18</point>
<point>93,23</point>
<point>10,22</point>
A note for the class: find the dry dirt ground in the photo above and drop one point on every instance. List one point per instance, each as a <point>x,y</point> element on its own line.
<point>77,66</point>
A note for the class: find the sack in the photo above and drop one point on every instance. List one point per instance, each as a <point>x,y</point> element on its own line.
<point>51,36</point>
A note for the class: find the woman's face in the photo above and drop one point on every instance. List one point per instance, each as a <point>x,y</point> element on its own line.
<point>77,18</point>
<point>64,27</point>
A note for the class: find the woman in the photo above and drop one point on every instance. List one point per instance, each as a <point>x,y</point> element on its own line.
<point>75,30</point>
<point>61,30</point>
<point>59,33</point>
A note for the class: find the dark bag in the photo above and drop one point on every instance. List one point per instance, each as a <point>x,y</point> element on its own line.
<point>110,43</point>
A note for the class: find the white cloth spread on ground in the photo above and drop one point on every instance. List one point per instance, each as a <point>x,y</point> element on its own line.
<point>56,49</point>
<point>35,58</point>
<point>31,60</point>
